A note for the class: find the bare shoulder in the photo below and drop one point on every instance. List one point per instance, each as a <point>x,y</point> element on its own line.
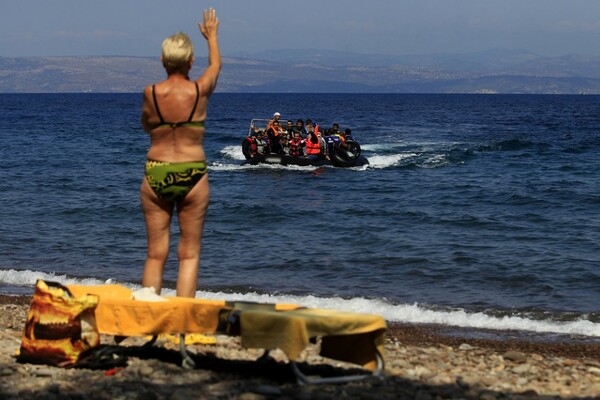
<point>148,91</point>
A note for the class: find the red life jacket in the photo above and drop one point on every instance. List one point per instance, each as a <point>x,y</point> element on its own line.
<point>249,147</point>
<point>253,146</point>
<point>296,147</point>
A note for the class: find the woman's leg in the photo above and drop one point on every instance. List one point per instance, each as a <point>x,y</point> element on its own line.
<point>191,211</point>
<point>157,214</point>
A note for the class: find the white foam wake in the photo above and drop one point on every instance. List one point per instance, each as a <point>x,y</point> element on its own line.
<point>13,277</point>
<point>233,152</point>
<point>415,313</point>
<point>390,160</point>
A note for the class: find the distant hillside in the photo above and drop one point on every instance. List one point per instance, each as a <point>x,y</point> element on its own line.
<point>77,74</point>
<point>316,71</point>
<point>499,61</point>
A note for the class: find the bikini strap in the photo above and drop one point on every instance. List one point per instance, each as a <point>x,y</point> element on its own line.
<point>162,121</point>
<point>196,103</point>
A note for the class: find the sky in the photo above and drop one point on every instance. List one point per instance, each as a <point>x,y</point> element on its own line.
<point>395,27</point>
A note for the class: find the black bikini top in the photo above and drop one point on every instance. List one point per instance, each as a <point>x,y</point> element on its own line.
<point>189,122</point>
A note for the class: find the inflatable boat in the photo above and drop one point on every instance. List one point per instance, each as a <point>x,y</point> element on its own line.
<point>340,153</point>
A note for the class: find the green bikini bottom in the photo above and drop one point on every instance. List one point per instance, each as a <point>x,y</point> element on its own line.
<point>173,181</point>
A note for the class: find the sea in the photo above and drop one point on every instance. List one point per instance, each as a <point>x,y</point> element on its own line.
<point>475,211</point>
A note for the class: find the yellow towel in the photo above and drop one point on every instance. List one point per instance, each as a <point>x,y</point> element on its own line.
<point>192,338</point>
<point>118,314</point>
<point>351,337</point>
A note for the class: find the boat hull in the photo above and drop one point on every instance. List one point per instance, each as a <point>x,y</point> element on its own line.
<point>281,159</point>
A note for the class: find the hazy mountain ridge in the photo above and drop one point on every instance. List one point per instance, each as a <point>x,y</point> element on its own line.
<point>494,71</point>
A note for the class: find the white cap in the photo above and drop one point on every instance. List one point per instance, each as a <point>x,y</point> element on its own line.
<point>277,114</point>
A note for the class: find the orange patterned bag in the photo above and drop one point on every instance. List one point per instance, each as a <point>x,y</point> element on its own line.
<point>59,326</point>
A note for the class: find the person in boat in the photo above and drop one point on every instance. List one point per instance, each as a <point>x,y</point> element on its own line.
<point>344,136</point>
<point>309,127</point>
<point>313,142</point>
<point>297,145</point>
<point>334,130</point>
<point>249,146</point>
<point>333,141</point>
<point>285,144</point>
<point>262,147</point>
<point>275,135</point>
<point>255,144</point>
<point>276,117</point>
<point>290,128</point>
<point>323,144</point>
<point>300,128</point>
<point>176,173</point>
<point>348,134</point>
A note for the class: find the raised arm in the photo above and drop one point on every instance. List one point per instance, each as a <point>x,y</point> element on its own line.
<point>208,80</point>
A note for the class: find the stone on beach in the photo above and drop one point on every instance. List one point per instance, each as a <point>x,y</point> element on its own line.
<point>420,364</point>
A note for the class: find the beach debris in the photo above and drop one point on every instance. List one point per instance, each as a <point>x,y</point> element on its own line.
<point>515,356</point>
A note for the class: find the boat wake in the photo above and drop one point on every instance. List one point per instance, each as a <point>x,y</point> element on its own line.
<point>396,155</point>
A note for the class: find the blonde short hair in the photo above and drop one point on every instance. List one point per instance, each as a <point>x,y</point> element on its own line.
<point>177,52</point>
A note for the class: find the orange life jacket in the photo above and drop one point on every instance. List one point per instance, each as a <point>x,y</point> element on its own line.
<point>277,132</point>
<point>313,148</point>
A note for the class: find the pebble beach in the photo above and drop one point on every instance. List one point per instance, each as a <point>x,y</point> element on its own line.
<point>422,362</point>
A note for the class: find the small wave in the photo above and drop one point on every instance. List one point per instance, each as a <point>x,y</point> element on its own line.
<point>382,147</point>
<point>390,160</point>
<point>375,147</point>
<point>405,313</point>
<point>434,161</point>
<point>29,278</point>
<point>233,153</point>
<point>415,313</point>
<point>217,166</point>
<point>511,145</point>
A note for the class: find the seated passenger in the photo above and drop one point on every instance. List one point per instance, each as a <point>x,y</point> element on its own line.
<point>309,127</point>
<point>348,134</point>
<point>297,145</point>
<point>249,147</point>
<point>300,128</point>
<point>289,128</point>
<point>333,142</point>
<point>285,144</point>
<point>336,138</point>
<point>323,144</point>
<point>262,146</point>
<point>334,130</point>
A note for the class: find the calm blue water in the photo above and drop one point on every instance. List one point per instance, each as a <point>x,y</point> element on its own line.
<point>475,210</point>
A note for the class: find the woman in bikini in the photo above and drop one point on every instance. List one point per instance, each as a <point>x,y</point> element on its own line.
<point>176,176</point>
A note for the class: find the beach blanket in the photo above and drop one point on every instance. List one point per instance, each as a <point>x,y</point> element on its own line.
<point>353,337</point>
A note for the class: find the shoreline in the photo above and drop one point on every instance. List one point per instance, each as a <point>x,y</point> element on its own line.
<point>425,361</point>
<point>430,334</point>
